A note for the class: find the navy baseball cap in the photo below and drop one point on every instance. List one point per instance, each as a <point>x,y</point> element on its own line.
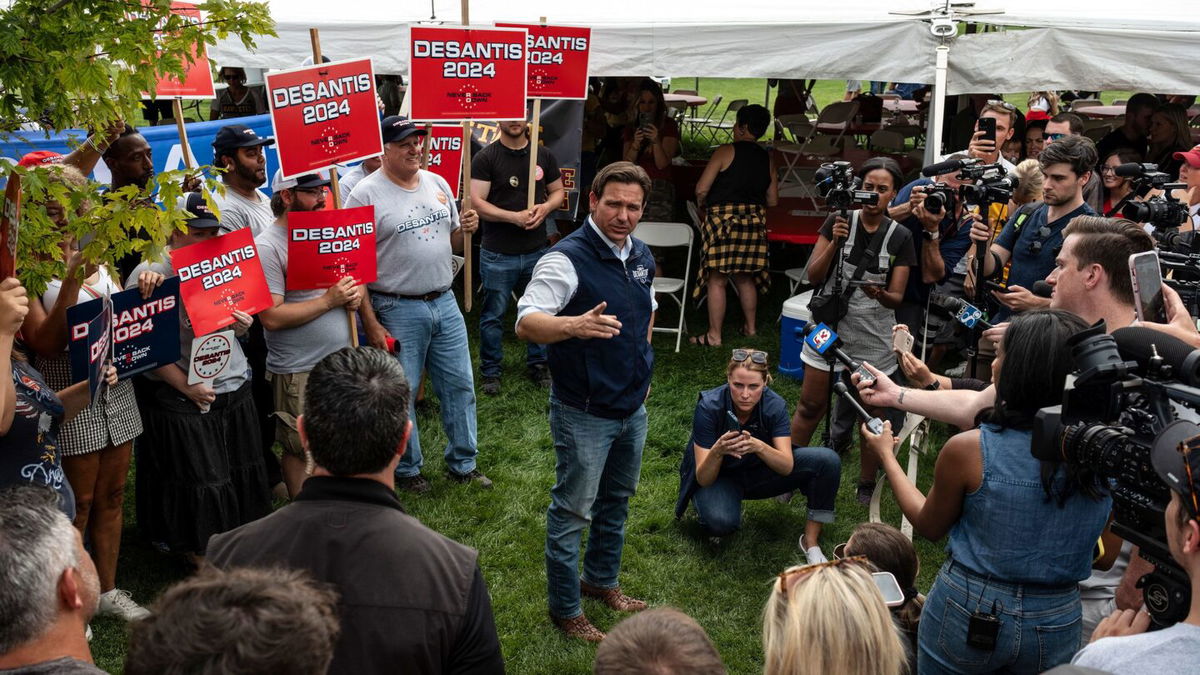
<point>238,136</point>
<point>308,180</point>
<point>198,213</point>
<point>1179,470</point>
<point>397,128</point>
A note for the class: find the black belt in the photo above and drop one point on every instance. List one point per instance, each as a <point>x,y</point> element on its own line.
<point>427,297</point>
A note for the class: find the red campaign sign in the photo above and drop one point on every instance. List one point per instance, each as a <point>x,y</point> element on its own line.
<point>445,154</point>
<point>218,276</point>
<point>558,59</point>
<point>324,115</point>
<point>325,246</point>
<point>467,73</point>
<point>197,81</point>
<point>10,224</point>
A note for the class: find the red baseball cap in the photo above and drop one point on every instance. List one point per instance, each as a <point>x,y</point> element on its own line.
<point>1192,157</point>
<point>39,158</point>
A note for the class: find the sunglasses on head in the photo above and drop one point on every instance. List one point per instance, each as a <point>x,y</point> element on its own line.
<point>791,575</point>
<point>754,355</point>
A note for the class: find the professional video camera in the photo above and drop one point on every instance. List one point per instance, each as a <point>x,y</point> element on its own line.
<point>1123,398</point>
<point>982,184</point>
<point>838,186</point>
<point>1162,211</point>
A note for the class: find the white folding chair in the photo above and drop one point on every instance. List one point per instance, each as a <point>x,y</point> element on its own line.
<point>725,124</point>
<point>665,235</point>
<point>1085,103</point>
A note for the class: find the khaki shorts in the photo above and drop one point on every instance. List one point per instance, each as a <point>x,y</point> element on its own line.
<point>288,391</point>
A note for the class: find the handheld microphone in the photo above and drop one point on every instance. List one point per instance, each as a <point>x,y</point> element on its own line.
<point>1042,288</point>
<point>824,341</point>
<point>874,424</point>
<point>946,167</point>
<point>964,312</point>
<point>1142,344</point>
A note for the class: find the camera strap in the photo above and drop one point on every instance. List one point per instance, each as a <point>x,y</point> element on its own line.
<point>870,254</point>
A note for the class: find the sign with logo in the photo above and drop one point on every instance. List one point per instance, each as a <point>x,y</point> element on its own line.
<point>821,338</point>
<point>969,315</point>
<point>10,224</point>
<point>467,73</point>
<point>558,59</point>
<point>326,246</point>
<point>324,115</point>
<point>90,345</point>
<point>445,154</point>
<point>144,332</point>
<point>210,356</point>
<point>197,82</point>
<point>218,276</point>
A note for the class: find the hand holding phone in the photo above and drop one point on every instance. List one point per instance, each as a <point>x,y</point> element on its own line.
<point>988,126</point>
<point>1146,274</point>
<point>902,341</point>
<point>731,422</point>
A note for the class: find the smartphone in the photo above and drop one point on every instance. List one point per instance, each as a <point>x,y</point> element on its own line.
<point>993,286</point>
<point>902,341</point>
<point>731,422</point>
<point>988,126</point>
<point>644,120</point>
<point>889,588</point>
<point>1146,274</point>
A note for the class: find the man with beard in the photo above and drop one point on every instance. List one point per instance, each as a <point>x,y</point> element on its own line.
<point>130,161</point>
<point>303,326</point>
<point>239,150</point>
<point>514,238</point>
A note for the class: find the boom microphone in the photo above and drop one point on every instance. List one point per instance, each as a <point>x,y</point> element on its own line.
<point>1141,344</point>
<point>946,167</point>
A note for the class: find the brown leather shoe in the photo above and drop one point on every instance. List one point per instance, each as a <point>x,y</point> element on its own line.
<point>613,597</point>
<point>578,627</point>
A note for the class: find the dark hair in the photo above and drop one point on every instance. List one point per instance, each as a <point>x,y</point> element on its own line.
<point>1035,367</point>
<point>887,164</point>
<point>660,103</point>
<point>240,621</point>
<point>1126,155</point>
<point>111,150</point>
<point>1036,124</point>
<point>755,118</point>
<point>1078,151</point>
<point>890,551</point>
<point>355,410</point>
<point>621,172</point>
<point>1108,242</point>
<point>277,206</point>
<point>1141,101</point>
<point>1075,122</point>
<point>659,641</point>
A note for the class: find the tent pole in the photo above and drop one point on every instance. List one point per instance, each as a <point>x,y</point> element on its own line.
<point>933,132</point>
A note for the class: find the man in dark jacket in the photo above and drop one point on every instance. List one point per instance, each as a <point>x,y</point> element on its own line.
<point>411,599</point>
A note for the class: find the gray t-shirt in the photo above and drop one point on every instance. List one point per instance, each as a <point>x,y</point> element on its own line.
<point>1170,650</point>
<point>61,666</point>
<point>236,373</point>
<point>412,232</point>
<point>296,350</point>
<point>348,180</point>
<point>238,212</point>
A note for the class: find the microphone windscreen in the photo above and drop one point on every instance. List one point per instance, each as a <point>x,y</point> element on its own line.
<point>1141,344</point>
<point>1128,170</point>
<point>942,167</point>
<point>1042,288</point>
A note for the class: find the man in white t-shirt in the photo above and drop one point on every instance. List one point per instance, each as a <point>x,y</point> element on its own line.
<point>239,150</point>
<point>987,151</point>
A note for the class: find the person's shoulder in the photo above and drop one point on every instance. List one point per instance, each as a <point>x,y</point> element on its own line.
<point>1144,649</point>
<point>713,398</point>
<point>435,180</point>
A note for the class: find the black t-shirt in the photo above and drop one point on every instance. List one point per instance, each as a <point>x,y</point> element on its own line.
<point>508,172</point>
<point>29,451</point>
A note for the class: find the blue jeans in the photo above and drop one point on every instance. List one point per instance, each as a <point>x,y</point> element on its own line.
<point>816,472</point>
<point>1039,625</point>
<point>432,335</point>
<point>501,274</point>
<point>596,473</point>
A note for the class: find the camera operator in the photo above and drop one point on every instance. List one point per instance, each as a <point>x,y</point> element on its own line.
<point>988,151</point>
<point>1030,242</point>
<point>884,249</point>
<point>1020,531</point>
<point>1120,644</point>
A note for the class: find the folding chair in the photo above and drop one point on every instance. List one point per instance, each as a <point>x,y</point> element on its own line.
<point>665,235</point>
<point>694,124</point>
<point>725,124</point>
<point>888,141</point>
<point>1120,101</point>
<point>1085,103</point>
<point>840,112</point>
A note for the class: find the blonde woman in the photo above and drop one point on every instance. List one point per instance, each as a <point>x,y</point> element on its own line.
<point>1029,188</point>
<point>830,618</point>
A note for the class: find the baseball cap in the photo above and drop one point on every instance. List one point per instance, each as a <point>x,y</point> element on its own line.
<point>1179,470</point>
<point>1192,157</point>
<point>308,180</point>
<point>40,158</point>
<point>199,215</point>
<point>397,128</point>
<point>238,136</point>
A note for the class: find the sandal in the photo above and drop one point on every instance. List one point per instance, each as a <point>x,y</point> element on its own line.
<point>701,340</point>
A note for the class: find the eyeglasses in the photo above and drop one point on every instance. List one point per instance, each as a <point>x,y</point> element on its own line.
<point>1185,449</point>
<point>1107,170</point>
<point>754,355</point>
<point>1043,233</point>
<point>1055,137</point>
<point>804,570</point>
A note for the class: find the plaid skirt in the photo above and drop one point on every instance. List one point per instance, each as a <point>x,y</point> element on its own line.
<point>734,240</point>
<point>112,421</point>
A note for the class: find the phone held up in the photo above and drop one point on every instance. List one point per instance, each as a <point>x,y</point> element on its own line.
<point>1146,275</point>
<point>902,341</point>
<point>988,126</point>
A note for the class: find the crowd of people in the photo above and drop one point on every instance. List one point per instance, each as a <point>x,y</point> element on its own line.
<point>291,590</point>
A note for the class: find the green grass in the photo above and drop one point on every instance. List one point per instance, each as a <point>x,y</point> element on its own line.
<point>666,561</point>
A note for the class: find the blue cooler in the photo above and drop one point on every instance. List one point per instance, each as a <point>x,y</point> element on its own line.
<point>795,315</point>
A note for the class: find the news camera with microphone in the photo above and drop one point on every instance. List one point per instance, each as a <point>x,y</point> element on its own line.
<point>1163,211</point>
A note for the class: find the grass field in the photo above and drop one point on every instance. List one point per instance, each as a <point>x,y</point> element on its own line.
<point>665,561</point>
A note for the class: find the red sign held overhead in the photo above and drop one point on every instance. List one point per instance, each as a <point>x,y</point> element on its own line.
<point>467,73</point>
<point>325,246</point>
<point>558,59</point>
<point>324,115</point>
<point>445,154</point>
<point>218,276</point>
<point>197,81</point>
<point>10,224</point>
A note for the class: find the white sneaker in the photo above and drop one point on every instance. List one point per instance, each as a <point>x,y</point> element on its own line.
<point>812,554</point>
<point>119,603</point>
<point>87,632</point>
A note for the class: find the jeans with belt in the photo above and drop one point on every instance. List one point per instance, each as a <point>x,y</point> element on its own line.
<point>501,274</point>
<point>1039,625</point>
<point>432,335</point>
<point>598,464</point>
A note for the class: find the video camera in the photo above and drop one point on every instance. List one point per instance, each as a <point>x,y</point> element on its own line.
<point>982,184</point>
<point>1123,399</point>
<point>1163,211</point>
<point>838,186</point>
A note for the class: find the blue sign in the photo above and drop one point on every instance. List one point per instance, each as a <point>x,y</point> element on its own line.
<point>821,338</point>
<point>969,315</point>
<point>90,346</point>
<point>144,332</point>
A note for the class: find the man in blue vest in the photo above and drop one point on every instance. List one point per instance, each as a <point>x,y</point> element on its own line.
<point>590,301</point>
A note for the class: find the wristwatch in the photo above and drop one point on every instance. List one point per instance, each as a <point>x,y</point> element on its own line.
<point>932,386</point>
<point>931,235</point>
